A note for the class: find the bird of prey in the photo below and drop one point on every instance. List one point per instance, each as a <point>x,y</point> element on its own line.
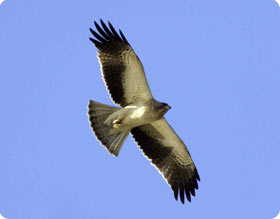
<point>140,114</point>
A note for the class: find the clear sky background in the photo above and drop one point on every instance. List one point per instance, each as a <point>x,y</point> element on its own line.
<point>217,63</point>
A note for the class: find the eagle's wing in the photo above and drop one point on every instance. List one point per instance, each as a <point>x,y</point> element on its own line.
<point>169,154</point>
<point>122,70</point>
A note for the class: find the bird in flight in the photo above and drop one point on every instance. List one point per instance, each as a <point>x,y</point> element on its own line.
<point>140,114</point>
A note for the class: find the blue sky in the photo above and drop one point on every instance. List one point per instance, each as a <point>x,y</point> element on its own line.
<point>215,62</point>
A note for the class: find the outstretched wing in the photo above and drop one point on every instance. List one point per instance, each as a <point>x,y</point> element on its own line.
<point>169,154</point>
<point>122,70</point>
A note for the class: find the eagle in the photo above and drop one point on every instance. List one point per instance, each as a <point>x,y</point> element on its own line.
<point>139,113</point>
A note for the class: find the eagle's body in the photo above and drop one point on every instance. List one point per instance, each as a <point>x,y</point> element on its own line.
<point>131,117</point>
<point>141,115</point>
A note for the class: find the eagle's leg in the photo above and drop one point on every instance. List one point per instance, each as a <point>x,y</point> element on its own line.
<point>116,123</point>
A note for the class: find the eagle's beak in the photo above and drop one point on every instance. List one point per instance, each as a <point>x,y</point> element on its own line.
<point>166,108</point>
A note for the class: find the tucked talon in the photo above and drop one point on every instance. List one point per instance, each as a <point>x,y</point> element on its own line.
<point>116,123</point>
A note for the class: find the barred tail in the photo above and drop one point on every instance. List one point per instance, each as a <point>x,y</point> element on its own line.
<point>98,113</point>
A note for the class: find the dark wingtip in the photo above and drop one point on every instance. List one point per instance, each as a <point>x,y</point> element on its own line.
<point>195,184</point>
<point>182,195</point>
<point>95,42</point>
<point>101,21</point>
<point>96,25</point>
<point>106,33</point>
<point>101,31</point>
<point>197,175</point>
<point>106,29</point>
<point>193,192</point>
<point>116,35</point>
<point>92,40</point>
<point>188,196</point>
<point>123,37</point>
<point>175,190</point>
<point>92,31</point>
<point>182,191</point>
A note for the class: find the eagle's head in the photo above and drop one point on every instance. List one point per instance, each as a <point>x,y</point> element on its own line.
<point>162,108</point>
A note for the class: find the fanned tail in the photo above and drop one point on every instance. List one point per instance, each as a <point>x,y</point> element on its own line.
<point>98,113</point>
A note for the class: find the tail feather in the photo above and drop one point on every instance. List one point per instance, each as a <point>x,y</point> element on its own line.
<point>98,113</point>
